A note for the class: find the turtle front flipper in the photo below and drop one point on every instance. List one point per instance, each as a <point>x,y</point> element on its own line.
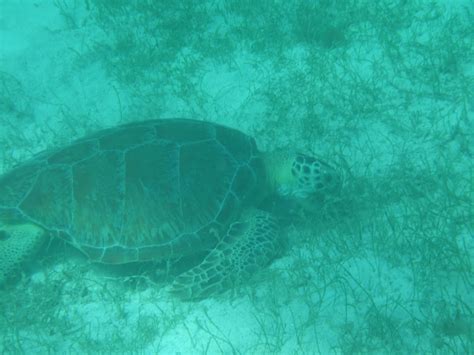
<point>17,243</point>
<point>249,245</point>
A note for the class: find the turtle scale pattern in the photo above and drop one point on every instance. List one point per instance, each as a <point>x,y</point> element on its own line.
<point>152,190</point>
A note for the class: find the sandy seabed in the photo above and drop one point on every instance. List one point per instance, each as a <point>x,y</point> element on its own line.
<point>381,89</point>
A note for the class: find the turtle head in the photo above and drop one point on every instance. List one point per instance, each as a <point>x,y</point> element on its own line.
<point>302,176</point>
<point>17,243</point>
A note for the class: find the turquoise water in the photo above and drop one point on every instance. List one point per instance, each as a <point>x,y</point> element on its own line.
<point>380,90</point>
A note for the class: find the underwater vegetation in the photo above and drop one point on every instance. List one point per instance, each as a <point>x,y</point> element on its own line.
<point>382,89</point>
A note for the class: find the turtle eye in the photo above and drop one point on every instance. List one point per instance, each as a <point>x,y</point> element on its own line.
<point>4,235</point>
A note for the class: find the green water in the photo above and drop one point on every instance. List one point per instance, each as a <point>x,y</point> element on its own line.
<point>382,90</point>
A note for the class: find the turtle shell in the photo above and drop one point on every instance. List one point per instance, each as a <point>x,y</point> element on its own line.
<point>149,190</point>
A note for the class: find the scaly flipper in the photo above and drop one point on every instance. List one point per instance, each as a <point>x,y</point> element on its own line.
<point>17,243</point>
<point>249,245</point>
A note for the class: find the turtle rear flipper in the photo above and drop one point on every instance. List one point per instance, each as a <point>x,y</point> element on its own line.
<point>249,245</point>
<point>17,244</point>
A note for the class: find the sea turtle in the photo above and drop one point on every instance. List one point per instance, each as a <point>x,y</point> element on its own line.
<point>159,190</point>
